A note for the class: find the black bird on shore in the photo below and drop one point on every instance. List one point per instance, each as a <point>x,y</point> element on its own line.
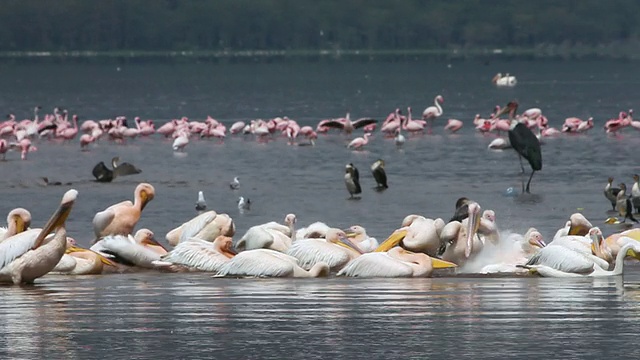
<point>377,169</point>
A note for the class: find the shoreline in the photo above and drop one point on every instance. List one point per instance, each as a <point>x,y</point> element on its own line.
<point>542,53</point>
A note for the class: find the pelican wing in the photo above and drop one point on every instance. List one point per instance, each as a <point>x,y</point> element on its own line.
<point>196,253</point>
<point>562,259</point>
<point>16,246</point>
<point>66,264</point>
<point>260,263</point>
<point>316,230</point>
<point>376,265</point>
<point>257,237</point>
<point>102,219</point>
<point>195,225</point>
<point>128,249</point>
<point>312,251</point>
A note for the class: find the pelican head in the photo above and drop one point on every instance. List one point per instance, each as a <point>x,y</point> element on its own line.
<point>290,219</point>
<point>595,234</point>
<point>146,237</point>
<point>579,225</point>
<point>145,192</point>
<point>224,244</point>
<point>20,219</point>
<point>354,231</point>
<point>339,237</point>
<point>534,238</point>
<point>59,216</point>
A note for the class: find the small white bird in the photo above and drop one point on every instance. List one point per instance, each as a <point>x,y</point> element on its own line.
<point>244,204</point>
<point>235,184</point>
<point>201,204</point>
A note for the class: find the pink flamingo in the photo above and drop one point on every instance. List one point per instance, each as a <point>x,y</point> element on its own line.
<point>88,126</point>
<point>237,127</point>
<point>181,140</point>
<point>359,142</point>
<point>168,128</point>
<point>433,112</point>
<point>412,125</point>
<point>3,148</point>
<point>614,125</point>
<point>70,132</point>
<point>85,140</point>
<point>585,125</point>
<point>25,146</point>
<point>453,125</point>
<point>550,131</point>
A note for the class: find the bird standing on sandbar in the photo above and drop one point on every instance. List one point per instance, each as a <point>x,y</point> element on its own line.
<point>352,180</point>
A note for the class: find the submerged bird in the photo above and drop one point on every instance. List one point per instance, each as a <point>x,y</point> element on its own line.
<point>352,180</point>
<point>523,141</point>
<point>32,254</point>
<point>121,218</point>
<point>611,193</point>
<point>235,184</point>
<point>103,174</point>
<point>201,204</point>
<point>377,169</point>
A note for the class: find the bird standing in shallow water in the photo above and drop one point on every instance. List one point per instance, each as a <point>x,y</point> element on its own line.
<point>201,204</point>
<point>244,204</point>
<point>377,169</point>
<point>523,141</point>
<point>623,204</point>
<point>352,180</point>
<point>611,193</point>
<point>235,184</point>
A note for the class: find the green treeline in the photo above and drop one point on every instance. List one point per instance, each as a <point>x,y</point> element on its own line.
<point>234,25</point>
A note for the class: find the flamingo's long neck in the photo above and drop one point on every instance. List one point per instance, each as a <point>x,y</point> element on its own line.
<point>437,104</point>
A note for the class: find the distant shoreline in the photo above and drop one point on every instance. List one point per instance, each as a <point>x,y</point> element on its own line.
<point>548,52</point>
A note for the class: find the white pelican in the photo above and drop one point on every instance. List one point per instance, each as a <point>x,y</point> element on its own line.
<point>27,256</point>
<point>140,250</point>
<point>614,242</point>
<point>312,251</point>
<point>462,237</point>
<point>359,237</point>
<point>80,261</point>
<point>206,226</point>
<point>271,235</point>
<point>396,262</point>
<point>512,252</point>
<point>559,261</point>
<point>18,220</point>
<point>488,228</point>
<point>504,81</point>
<point>316,230</point>
<point>199,254</point>
<point>121,218</point>
<point>577,225</point>
<point>417,234</point>
<point>269,263</point>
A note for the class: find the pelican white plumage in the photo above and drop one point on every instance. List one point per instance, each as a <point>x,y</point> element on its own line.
<point>316,230</point>
<point>199,254</point>
<point>614,242</point>
<point>269,263</point>
<point>80,261</point>
<point>206,226</point>
<point>364,242</point>
<point>140,250</point>
<point>309,252</point>
<point>31,254</point>
<point>396,262</point>
<point>512,252</point>
<point>561,261</point>
<point>18,220</point>
<point>462,237</point>
<point>417,234</point>
<point>271,235</point>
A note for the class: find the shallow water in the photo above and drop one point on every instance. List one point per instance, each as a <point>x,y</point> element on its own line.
<point>146,315</point>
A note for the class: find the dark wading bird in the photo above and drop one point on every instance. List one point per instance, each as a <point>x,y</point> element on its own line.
<point>523,141</point>
<point>352,180</point>
<point>623,204</point>
<point>103,174</point>
<point>377,169</point>
<point>611,193</point>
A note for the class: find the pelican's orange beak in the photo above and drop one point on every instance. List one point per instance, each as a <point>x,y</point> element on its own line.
<point>392,241</point>
<point>441,264</point>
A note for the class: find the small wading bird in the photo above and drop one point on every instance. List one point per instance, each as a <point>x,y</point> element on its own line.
<point>377,169</point>
<point>201,204</point>
<point>523,141</point>
<point>103,174</point>
<point>235,184</point>
<point>352,180</point>
<point>611,193</point>
<point>623,206</point>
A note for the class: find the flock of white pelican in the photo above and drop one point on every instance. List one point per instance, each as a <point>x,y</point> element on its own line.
<point>470,242</point>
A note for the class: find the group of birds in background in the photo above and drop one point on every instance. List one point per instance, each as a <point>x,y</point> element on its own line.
<point>622,203</point>
<point>352,178</point>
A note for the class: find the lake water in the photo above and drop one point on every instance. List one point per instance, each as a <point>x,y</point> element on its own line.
<point>193,316</point>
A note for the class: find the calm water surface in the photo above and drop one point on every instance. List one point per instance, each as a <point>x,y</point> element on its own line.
<point>194,316</point>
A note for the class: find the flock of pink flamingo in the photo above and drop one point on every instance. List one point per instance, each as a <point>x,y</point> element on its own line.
<point>18,135</point>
